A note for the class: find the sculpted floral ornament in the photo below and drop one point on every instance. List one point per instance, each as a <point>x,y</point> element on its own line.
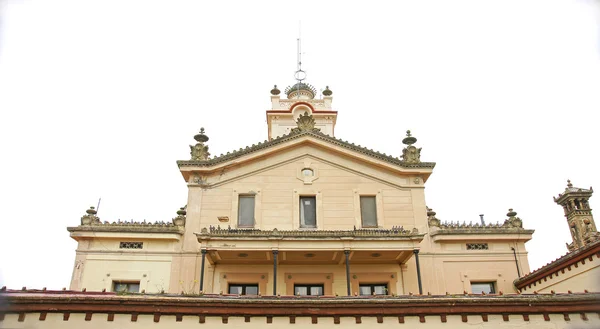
<point>410,154</point>
<point>305,122</point>
<point>200,151</point>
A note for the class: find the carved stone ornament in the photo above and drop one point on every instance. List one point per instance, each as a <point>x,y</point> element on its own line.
<point>180,219</point>
<point>90,217</point>
<point>305,122</point>
<point>410,154</point>
<point>513,220</point>
<point>200,151</point>
<point>432,220</point>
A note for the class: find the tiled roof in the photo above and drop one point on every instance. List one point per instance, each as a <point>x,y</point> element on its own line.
<point>298,134</point>
<point>558,264</point>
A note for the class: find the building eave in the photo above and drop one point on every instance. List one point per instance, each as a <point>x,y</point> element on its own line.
<point>559,264</point>
<point>292,306</point>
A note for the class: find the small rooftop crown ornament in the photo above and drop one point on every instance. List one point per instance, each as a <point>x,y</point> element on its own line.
<point>410,154</point>
<point>305,122</point>
<point>200,151</point>
<point>569,185</point>
<point>327,91</point>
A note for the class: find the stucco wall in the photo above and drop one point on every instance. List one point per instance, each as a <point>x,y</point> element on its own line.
<point>337,188</point>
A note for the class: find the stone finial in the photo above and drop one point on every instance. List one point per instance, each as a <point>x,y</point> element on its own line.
<point>569,185</point>
<point>180,219</point>
<point>432,220</point>
<point>327,91</point>
<point>275,91</point>
<point>90,217</point>
<point>305,122</point>
<point>200,151</point>
<point>513,220</point>
<point>410,154</point>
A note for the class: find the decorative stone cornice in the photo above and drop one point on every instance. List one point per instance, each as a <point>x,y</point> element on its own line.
<point>299,134</point>
<point>129,227</point>
<point>394,233</point>
<point>91,223</point>
<point>510,226</point>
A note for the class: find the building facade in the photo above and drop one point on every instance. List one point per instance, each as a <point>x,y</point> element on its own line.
<point>302,213</point>
<point>308,230</point>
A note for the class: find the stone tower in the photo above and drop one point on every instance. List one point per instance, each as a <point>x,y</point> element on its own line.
<point>575,203</point>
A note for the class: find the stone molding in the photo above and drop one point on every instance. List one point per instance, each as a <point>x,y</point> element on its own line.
<point>397,233</point>
<point>298,134</point>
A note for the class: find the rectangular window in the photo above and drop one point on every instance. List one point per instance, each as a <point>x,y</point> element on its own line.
<point>246,211</point>
<point>373,289</point>
<point>308,211</point>
<point>243,289</point>
<point>308,289</point>
<point>126,286</point>
<point>479,287</point>
<point>368,211</point>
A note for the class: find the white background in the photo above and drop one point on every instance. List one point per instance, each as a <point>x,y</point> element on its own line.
<point>100,98</point>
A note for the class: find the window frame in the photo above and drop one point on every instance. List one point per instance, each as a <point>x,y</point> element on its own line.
<point>301,211</point>
<point>308,286</point>
<point>244,287</point>
<point>492,285</point>
<point>362,221</point>
<point>372,287</point>
<point>239,217</point>
<point>127,283</point>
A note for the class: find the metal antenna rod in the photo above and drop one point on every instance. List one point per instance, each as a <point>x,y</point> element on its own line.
<point>98,207</point>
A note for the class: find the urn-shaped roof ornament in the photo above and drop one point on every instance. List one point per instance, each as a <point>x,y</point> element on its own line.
<point>513,220</point>
<point>410,154</point>
<point>90,217</point>
<point>327,91</point>
<point>200,151</point>
<point>275,91</point>
<point>180,219</point>
<point>432,220</point>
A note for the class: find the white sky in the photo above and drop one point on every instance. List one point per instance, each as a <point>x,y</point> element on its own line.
<point>100,98</point>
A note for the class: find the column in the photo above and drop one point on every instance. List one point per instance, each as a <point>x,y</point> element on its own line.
<point>202,270</point>
<point>347,253</point>
<point>416,252</point>
<point>275,252</point>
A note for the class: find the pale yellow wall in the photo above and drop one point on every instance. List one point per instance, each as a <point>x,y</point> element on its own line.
<point>77,321</point>
<point>577,279</point>
<point>333,277</point>
<point>99,262</point>
<point>337,190</point>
